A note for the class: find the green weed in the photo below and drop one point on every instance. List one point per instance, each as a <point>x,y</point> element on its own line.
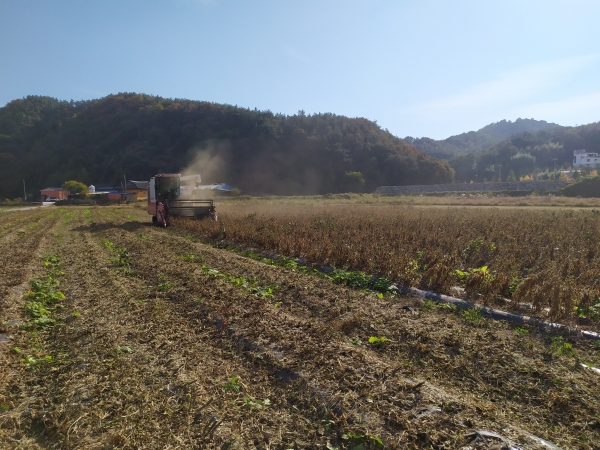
<point>211,272</point>
<point>360,441</point>
<point>590,312</point>
<point>165,286</point>
<point>378,341</point>
<point>234,384</point>
<point>448,306</point>
<point>562,348</point>
<point>31,362</point>
<point>252,402</point>
<point>120,257</point>
<point>474,316</point>
<point>44,295</point>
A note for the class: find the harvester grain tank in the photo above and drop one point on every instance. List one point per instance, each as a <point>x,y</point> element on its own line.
<point>165,199</point>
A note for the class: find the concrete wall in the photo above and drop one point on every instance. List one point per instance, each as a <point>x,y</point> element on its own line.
<point>537,186</point>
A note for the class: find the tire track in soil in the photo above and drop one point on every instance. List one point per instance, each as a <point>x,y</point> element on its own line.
<point>496,375</point>
<point>138,373</point>
<point>20,264</point>
<point>322,373</point>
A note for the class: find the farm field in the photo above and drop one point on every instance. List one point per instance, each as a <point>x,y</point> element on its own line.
<point>466,200</point>
<point>119,334</point>
<point>544,258</point>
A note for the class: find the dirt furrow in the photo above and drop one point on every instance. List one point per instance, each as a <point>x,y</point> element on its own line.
<point>22,263</point>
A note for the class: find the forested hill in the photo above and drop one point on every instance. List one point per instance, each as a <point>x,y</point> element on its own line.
<point>477,141</point>
<point>46,141</point>
<point>528,154</point>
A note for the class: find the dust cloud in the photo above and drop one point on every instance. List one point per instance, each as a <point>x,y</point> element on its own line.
<point>209,160</point>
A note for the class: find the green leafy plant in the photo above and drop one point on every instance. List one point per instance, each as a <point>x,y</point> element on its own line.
<point>31,362</point>
<point>378,341</point>
<point>211,272</point>
<point>464,275</point>
<point>164,286</point>
<point>44,295</point>
<point>252,402</point>
<point>590,312</point>
<point>120,257</point>
<point>362,280</point>
<point>561,347</point>
<point>234,384</point>
<point>448,306</point>
<point>474,316</point>
<point>360,441</point>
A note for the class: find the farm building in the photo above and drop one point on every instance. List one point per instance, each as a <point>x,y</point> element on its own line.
<point>117,196</point>
<point>52,192</point>
<point>581,158</point>
<point>138,189</point>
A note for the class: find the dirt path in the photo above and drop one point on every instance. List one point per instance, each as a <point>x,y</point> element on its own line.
<point>169,343</point>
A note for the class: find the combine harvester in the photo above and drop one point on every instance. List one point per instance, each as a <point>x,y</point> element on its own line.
<point>168,198</point>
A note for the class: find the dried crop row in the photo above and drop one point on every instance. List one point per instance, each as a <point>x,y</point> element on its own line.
<point>550,259</point>
<point>436,346</point>
<point>21,262</point>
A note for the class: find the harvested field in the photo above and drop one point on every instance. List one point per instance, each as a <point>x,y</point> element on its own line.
<point>549,259</point>
<point>163,341</point>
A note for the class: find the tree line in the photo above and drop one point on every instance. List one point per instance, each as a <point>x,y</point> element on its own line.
<point>46,142</point>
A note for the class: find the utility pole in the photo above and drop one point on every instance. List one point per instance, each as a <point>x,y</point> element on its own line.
<point>500,172</point>
<point>554,162</point>
<point>24,191</point>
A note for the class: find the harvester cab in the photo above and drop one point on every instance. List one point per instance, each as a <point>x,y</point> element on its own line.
<point>165,200</point>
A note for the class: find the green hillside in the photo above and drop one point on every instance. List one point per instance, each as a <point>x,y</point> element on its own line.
<point>46,141</point>
<point>477,141</point>
<point>528,153</point>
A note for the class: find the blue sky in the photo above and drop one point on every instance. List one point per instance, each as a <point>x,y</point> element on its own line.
<point>419,68</point>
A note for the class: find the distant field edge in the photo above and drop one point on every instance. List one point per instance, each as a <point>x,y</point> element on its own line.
<point>504,187</point>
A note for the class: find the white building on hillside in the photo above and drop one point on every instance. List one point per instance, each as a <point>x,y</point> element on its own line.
<point>582,158</point>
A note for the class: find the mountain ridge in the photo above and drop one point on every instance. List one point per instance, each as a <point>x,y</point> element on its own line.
<point>477,141</point>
